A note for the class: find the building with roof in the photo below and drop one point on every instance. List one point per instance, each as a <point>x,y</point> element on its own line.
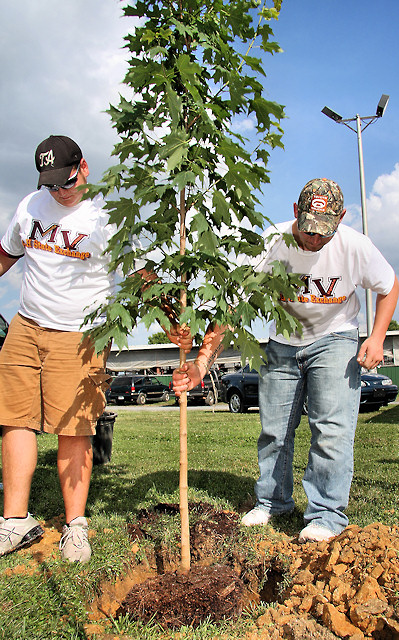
<point>163,358</point>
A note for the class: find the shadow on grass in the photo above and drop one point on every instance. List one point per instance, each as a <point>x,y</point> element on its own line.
<point>114,491</point>
<point>221,486</point>
<point>387,487</point>
<point>112,485</point>
<point>388,416</point>
<point>120,494</point>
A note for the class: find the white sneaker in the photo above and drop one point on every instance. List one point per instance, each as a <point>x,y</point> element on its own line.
<point>315,533</point>
<point>18,532</point>
<point>74,543</point>
<point>255,516</point>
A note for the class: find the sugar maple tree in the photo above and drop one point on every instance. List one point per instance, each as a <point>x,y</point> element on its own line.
<point>188,182</point>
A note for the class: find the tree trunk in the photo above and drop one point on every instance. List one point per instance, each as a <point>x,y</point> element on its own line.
<point>183,482</point>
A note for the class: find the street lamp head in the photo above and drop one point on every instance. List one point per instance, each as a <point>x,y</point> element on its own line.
<point>382,105</point>
<point>331,114</point>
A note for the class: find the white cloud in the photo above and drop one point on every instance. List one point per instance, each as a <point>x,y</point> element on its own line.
<point>383,215</point>
<point>62,67</point>
<point>382,207</point>
<point>243,125</point>
<point>63,64</point>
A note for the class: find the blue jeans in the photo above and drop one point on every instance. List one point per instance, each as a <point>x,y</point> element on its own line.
<point>327,372</point>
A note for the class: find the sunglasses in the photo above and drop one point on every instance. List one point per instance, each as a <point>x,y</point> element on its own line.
<point>324,235</point>
<point>68,185</point>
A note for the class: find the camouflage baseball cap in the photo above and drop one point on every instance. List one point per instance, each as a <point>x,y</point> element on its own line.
<point>320,207</point>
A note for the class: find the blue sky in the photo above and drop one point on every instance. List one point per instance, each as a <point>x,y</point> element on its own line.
<point>343,54</point>
<point>62,64</point>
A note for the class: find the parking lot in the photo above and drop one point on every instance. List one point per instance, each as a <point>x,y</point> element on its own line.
<point>220,406</point>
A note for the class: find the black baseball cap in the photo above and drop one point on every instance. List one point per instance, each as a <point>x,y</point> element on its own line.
<point>55,157</point>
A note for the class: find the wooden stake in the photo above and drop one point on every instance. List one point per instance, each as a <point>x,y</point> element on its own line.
<point>183,480</point>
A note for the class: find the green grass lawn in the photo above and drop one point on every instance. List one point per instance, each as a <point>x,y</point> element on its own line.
<point>144,471</point>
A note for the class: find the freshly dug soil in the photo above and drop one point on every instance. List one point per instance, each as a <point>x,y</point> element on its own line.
<point>177,599</point>
<point>346,588</point>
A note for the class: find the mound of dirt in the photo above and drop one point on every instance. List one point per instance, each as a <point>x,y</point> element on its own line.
<point>350,585</point>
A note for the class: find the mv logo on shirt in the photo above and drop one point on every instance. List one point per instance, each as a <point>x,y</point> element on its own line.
<point>58,240</point>
<point>319,287</point>
<point>315,290</point>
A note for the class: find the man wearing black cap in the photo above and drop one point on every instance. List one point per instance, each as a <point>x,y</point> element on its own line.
<point>55,159</point>
<point>323,362</point>
<point>51,379</point>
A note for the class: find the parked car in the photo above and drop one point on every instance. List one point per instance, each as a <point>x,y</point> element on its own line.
<point>240,390</point>
<point>3,330</point>
<point>137,388</point>
<point>208,391</point>
<point>377,391</point>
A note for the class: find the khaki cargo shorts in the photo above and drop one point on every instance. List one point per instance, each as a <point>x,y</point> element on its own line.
<point>51,380</point>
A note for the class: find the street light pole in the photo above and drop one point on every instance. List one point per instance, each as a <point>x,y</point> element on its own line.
<point>369,297</point>
<point>358,130</point>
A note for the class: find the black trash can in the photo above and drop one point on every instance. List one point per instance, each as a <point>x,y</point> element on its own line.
<point>101,442</point>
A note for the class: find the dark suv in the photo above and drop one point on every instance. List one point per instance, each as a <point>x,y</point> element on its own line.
<point>136,388</point>
<point>240,390</point>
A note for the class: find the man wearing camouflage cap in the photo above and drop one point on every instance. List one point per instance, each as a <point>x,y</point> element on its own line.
<point>323,363</point>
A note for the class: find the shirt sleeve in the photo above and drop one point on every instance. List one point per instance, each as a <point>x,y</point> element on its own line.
<point>11,242</point>
<point>376,274</point>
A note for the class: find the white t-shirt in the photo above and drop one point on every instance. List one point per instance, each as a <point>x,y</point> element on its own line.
<point>65,273</point>
<point>327,302</point>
